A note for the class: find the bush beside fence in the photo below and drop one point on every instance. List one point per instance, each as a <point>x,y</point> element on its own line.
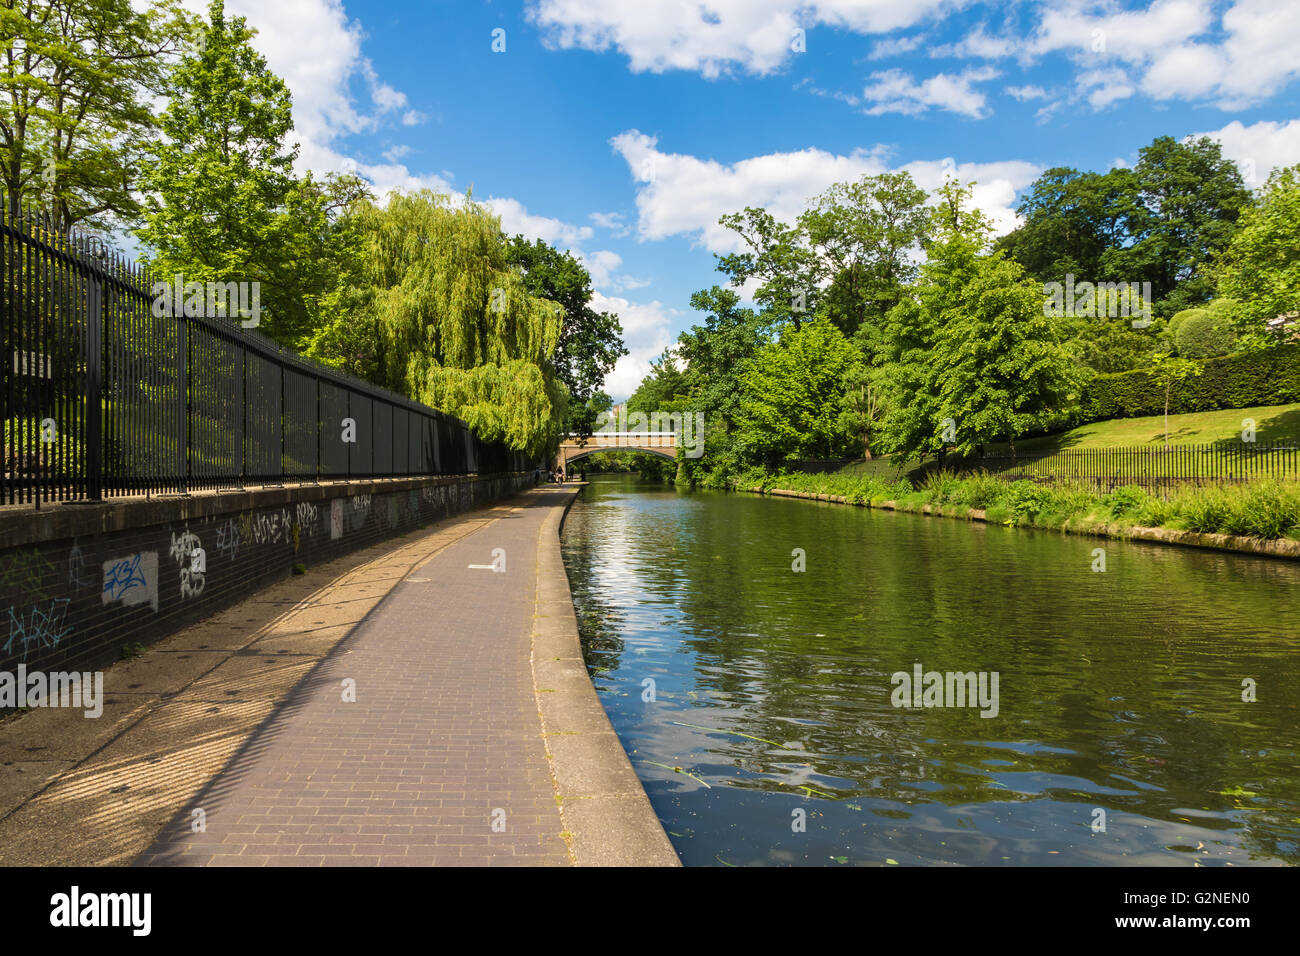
<point>1269,377</point>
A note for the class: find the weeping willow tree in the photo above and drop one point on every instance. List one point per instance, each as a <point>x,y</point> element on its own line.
<point>436,312</point>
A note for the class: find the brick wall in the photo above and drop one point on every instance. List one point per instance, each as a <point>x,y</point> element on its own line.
<point>79,582</point>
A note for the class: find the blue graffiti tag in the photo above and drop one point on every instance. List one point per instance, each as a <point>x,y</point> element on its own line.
<point>123,576</point>
<point>39,627</point>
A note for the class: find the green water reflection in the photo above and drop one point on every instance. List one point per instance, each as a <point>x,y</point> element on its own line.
<point>1119,691</point>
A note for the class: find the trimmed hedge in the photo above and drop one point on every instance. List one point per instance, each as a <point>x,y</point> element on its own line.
<point>1270,377</point>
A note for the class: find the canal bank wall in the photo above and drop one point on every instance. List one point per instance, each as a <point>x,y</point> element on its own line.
<point>79,583</point>
<point>1284,548</point>
<point>606,812</point>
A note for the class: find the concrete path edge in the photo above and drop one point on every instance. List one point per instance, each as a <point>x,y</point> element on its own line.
<point>607,816</point>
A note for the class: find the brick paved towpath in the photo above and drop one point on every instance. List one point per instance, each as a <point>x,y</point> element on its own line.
<point>474,736</point>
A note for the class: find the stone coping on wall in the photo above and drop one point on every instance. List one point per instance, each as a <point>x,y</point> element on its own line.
<point>606,812</point>
<point>22,525</point>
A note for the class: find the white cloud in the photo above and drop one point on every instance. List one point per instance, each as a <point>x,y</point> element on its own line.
<point>713,37</point>
<point>1175,50</point>
<point>647,331</point>
<point>679,194</point>
<point>897,92</point>
<point>895,46</point>
<point>1133,36</point>
<point>613,221</point>
<point>516,219</point>
<point>1026,93</point>
<point>1044,113</point>
<point>317,64</point>
<point>977,46</point>
<point>1260,148</point>
<point>1104,87</point>
<point>601,266</point>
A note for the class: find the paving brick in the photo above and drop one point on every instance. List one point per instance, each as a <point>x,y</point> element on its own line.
<point>444,731</point>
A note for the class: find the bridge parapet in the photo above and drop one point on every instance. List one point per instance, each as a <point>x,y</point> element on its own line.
<point>572,448</point>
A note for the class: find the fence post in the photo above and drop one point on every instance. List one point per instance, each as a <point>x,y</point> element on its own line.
<point>320,431</point>
<point>241,424</point>
<point>94,389</point>
<point>183,381</point>
<point>284,421</point>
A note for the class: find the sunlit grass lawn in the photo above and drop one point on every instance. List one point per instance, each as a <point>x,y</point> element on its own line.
<point>1273,423</point>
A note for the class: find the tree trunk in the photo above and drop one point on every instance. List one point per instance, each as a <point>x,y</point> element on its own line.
<point>1167,388</point>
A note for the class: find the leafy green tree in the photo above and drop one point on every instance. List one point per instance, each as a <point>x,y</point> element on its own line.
<point>778,258</point>
<point>1077,223</point>
<point>862,404</point>
<point>663,390</point>
<point>713,354</point>
<point>1000,361</point>
<point>792,392</point>
<point>1260,268</point>
<point>590,341</point>
<point>1193,197</point>
<point>222,203</point>
<point>440,314</point>
<point>76,77</point>
<point>957,239</point>
<point>1105,345</point>
<point>1167,371</point>
<point>1161,222</point>
<point>864,237</point>
<point>849,255</point>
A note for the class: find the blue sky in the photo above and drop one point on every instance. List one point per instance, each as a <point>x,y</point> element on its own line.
<point>622,130</point>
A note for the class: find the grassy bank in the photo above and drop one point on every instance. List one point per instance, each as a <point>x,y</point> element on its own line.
<point>1273,423</point>
<point>1266,510</point>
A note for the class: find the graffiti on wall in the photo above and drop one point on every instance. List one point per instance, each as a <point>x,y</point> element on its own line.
<point>336,519</point>
<point>27,571</point>
<point>228,539</point>
<point>306,515</point>
<point>187,551</point>
<point>41,626</point>
<point>77,576</point>
<point>131,580</point>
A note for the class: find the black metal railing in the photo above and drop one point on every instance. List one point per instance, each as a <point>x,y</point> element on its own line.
<point>107,394</point>
<point>1154,467</point>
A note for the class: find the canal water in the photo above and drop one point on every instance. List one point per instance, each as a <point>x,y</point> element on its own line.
<point>764,708</point>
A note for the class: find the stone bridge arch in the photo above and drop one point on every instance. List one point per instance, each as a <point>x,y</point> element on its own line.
<point>663,444</point>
